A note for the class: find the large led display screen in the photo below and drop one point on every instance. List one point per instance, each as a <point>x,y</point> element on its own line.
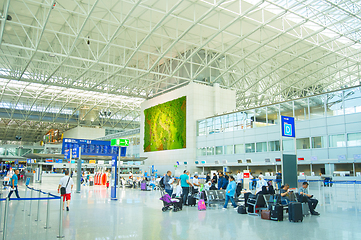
<point>165,126</point>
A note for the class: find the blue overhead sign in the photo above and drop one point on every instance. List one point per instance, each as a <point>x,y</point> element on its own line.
<point>288,126</point>
<point>92,147</point>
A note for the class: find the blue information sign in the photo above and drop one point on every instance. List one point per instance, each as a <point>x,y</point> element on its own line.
<point>92,147</point>
<point>113,193</point>
<point>288,126</point>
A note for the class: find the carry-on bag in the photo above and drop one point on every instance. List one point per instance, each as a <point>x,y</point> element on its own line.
<point>201,205</point>
<point>242,209</point>
<point>276,212</point>
<point>266,214</point>
<point>295,212</point>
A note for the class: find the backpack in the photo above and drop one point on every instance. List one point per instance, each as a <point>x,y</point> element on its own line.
<point>201,205</point>
<point>161,183</point>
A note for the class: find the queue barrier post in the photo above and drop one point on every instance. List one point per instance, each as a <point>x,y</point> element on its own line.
<point>47,213</point>
<point>26,190</point>
<point>61,219</point>
<point>37,215</point>
<point>5,217</point>
<point>31,196</point>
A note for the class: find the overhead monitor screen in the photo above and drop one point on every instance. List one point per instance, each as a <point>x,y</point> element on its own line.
<point>165,126</point>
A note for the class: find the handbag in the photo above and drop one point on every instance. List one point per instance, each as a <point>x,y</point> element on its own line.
<point>266,214</point>
<point>63,189</point>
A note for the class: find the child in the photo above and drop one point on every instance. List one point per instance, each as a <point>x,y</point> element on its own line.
<point>231,188</point>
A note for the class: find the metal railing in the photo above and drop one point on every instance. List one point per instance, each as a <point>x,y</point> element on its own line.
<point>48,197</point>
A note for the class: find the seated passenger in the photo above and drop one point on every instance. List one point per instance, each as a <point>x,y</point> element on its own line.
<point>208,185</point>
<point>260,183</point>
<point>285,194</point>
<point>305,197</point>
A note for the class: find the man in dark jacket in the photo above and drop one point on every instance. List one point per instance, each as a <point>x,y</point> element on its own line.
<point>214,179</point>
<point>222,182</point>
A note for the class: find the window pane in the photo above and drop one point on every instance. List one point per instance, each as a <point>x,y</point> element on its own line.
<point>219,150</point>
<point>210,150</point>
<point>288,145</point>
<point>303,143</point>
<point>352,98</point>
<point>249,119</point>
<point>201,127</point>
<point>228,149</point>
<point>354,139</point>
<point>217,122</point>
<point>261,147</point>
<point>317,107</point>
<point>334,104</point>
<point>261,118</point>
<point>286,109</point>
<point>228,122</point>
<point>250,148</point>
<point>301,109</point>
<point>238,148</point>
<point>318,142</point>
<point>337,140</point>
<point>239,120</point>
<point>272,114</point>
<point>209,125</point>
<point>204,151</point>
<point>274,146</point>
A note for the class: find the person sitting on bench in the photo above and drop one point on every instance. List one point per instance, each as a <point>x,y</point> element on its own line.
<point>285,194</point>
<point>305,197</point>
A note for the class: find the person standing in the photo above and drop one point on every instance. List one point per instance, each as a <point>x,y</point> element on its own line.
<point>279,180</point>
<point>168,183</point>
<point>185,184</point>
<point>14,184</point>
<point>231,188</point>
<point>208,178</point>
<point>214,179</point>
<point>68,183</point>
<point>196,183</point>
<point>222,182</point>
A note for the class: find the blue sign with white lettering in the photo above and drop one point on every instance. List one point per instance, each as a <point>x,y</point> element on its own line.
<point>75,153</point>
<point>92,147</point>
<point>288,126</point>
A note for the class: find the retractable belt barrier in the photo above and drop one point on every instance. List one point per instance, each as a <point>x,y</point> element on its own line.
<point>39,198</point>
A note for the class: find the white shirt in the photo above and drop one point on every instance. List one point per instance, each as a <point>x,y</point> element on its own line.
<point>196,181</point>
<point>239,177</point>
<point>260,184</point>
<point>63,182</point>
<point>178,191</point>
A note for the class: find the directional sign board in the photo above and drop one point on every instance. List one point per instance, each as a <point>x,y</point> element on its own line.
<point>119,142</point>
<point>288,126</point>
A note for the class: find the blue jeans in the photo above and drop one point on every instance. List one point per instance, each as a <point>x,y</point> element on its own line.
<point>232,201</point>
<point>185,194</point>
<point>16,192</point>
<point>170,191</point>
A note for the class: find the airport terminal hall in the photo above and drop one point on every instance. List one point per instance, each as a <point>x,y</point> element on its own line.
<point>180,119</point>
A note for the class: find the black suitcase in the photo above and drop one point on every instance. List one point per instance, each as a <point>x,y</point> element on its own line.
<point>242,209</point>
<point>276,212</point>
<point>295,212</point>
<point>191,201</point>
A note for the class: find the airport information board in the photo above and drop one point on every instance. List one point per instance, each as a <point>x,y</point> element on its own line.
<point>92,147</point>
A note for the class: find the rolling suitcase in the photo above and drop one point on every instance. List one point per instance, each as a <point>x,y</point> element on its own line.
<point>191,201</point>
<point>143,186</point>
<point>266,214</point>
<point>242,209</point>
<point>295,212</point>
<point>276,212</point>
<point>305,209</point>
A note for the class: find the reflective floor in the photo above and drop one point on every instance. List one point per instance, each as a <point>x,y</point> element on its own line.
<point>138,215</point>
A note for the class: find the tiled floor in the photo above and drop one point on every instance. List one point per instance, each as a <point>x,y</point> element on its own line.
<point>138,215</point>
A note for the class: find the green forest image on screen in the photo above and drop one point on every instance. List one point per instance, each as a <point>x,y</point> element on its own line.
<point>165,126</point>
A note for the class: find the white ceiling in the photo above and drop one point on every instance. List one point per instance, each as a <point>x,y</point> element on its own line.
<point>62,64</point>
